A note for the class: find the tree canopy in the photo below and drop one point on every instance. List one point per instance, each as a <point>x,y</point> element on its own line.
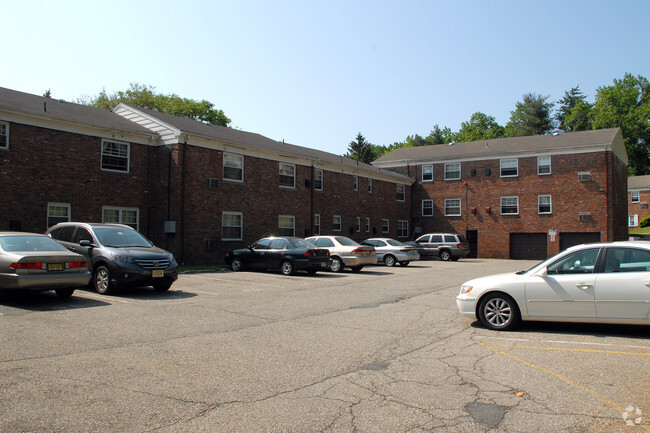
<point>144,96</point>
<point>532,116</point>
<point>361,150</point>
<point>567,119</point>
<point>479,127</point>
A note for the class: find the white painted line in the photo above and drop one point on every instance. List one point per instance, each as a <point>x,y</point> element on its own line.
<point>573,343</point>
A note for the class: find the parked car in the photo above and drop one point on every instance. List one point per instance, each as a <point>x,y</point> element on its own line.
<point>447,246</point>
<point>345,252</point>
<point>31,261</point>
<point>287,254</point>
<point>118,255</point>
<point>598,282</point>
<point>390,252</point>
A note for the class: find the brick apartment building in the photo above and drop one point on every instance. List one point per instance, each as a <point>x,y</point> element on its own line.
<point>197,190</point>
<point>521,197</point>
<point>639,197</point>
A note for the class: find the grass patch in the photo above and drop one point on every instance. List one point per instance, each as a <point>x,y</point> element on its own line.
<point>640,231</point>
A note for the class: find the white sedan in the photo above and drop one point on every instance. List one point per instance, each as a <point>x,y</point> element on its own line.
<point>598,283</point>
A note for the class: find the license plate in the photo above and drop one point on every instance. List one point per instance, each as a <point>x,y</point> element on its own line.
<point>158,273</point>
<point>55,266</point>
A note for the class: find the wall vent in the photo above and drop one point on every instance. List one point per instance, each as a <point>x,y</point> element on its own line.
<point>212,182</point>
<point>585,216</point>
<point>585,176</point>
<point>211,244</point>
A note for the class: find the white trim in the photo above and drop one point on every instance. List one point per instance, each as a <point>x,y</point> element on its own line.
<point>460,207</point>
<point>550,204</point>
<point>501,205</point>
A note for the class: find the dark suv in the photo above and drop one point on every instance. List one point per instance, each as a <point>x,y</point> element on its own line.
<point>118,255</point>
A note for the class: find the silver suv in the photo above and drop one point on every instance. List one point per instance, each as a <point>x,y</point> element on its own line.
<point>447,246</point>
<point>118,255</point>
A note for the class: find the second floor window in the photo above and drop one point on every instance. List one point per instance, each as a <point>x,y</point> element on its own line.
<point>452,171</point>
<point>4,135</point>
<point>115,156</point>
<point>318,180</point>
<point>509,205</point>
<point>544,204</point>
<point>543,165</point>
<point>233,167</point>
<point>427,173</point>
<point>452,207</point>
<point>509,168</point>
<point>287,175</point>
<point>401,193</point>
<point>636,198</point>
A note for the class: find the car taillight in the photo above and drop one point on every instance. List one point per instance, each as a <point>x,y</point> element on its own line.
<point>36,265</point>
<point>309,254</point>
<point>459,245</point>
<point>76,265</point>
<point>405,251</point>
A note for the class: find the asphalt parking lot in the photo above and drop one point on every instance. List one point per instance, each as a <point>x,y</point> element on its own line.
<point>383,350</point>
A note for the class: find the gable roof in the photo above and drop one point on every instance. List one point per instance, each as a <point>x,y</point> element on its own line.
<point>568,142</point>
<point>638,182</point>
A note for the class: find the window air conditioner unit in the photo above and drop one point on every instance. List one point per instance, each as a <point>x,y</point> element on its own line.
<point>644,205</point>
<point>585,216</point>
<point>585,177</point>
<point>212,182</point>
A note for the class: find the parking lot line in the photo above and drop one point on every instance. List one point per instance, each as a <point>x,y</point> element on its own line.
<point>585,343</point>
<point>575,350</point>
<point>565,379</point>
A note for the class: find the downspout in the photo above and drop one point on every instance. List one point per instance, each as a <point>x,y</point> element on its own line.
<point>183,165</point>
<point>311,199</point>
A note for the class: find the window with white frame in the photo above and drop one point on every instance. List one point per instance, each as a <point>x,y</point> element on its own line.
<point>544,204</point>
<point>367,225</point>
<point>358,224</point>
<point>633,220</point>
<point>452,207</point>
<point>286,225</point>
<point>115,156</point>
<point>336,223</point>
<point>369,185</point>
<point>355,183</point>
<point>233,167</point>
<point>509,167</point>
<point>402,229</point>
<point>510,205</point>
<point>4,135</point>
<point>57,213</point>
<point>427,207</point>
<point>232,226</point>
<point>121,215</point>
<point>317,224</point>
<point>287,175</point>
<point>401,193</point>
<point>452,171</point>
<point>318,180</point>
<point>635,196</point>
<point>427,173</point>
<point>543,165</point>
<point>385,225</point>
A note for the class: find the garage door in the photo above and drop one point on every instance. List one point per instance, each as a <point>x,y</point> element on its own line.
<point>528,246</point>
<point>570,239</point>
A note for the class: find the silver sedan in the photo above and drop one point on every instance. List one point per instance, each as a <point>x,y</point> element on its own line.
<point>390,251</point>
<point>36,262</point>
<point>598,283</point>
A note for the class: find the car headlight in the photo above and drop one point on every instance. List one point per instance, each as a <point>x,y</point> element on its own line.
<point>122,258</point>
<point>465,288</point>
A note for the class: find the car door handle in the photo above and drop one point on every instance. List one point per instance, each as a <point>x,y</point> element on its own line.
<point>584,286</point>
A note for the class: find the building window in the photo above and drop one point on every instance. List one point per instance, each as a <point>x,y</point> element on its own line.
<point>121,215</point>
<point>358,225</point>
<point>509,205</point>
<point>232,225</point>
<point>367,225</point>
<point>287,175</point>
<point>401,193</point>
<point>385,225</point>
<point>509,167</point>
<point>233,167</point>
<point>427,173</point>
<point>336,223</point>
<point>402,229</point>
<point>427,207</point>
<point>318,180</point>
<point>452,207</point>
<point>369,185</point>
<point>355,182</point>
<point>317,224</point>
<point>543,165</point>
<point>4,135</point>
<point>452,171</point>
<point>636,197</point>
<point>57,213</point>
<point>544,204</point>
<point>633,220</point>
<point>287,225</point>
<point>115,156</point>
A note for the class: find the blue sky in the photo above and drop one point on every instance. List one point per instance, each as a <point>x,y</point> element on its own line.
<point>315,73</point>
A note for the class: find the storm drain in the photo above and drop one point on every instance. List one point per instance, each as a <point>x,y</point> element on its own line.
<point>489,415</point>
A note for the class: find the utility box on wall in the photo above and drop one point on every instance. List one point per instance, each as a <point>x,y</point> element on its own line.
<point>170,226</point>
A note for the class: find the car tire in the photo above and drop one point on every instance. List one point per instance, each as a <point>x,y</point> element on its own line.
<point>356,268</point>
<point>102,280</point>
<point>404,263</point>
<point>389,260</point>
<point>445,255</point>
<point>64,292</point>
<point>499,312</point>
<point>236,264</point>
<point>337,264</point>
<point>287,267</point>
<point>162,286</point>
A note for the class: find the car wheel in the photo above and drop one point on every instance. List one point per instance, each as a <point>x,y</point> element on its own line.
<point>162,286</point>
<point>404,263</point>
<point>236,264</point>
<point>64,292</point>
<point>499,312</point>
<point>445,255</point>
<point>286,267</point>
<point>389,260</point>
<point>356,268</point>
<point>102,280</point>
<point>337,265</point>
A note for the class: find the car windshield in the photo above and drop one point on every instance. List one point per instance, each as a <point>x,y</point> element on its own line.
<point>394,243</point>
<point>301,243</point>
<point>120,237</point>
<point>30,243</point>
<point>346,241</point>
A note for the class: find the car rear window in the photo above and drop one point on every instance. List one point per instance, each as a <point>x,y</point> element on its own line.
<point>29,243</point>
<point>346,241</point>
<point>63,234</point>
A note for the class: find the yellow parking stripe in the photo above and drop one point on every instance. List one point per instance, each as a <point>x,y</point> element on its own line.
<point>614,352</point>
<point>565,379</point>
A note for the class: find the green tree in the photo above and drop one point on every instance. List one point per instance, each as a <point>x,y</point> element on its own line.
<point>439,136</point>
<point>626,104</point>
<point>144,96</point>
<point>532,116</point>
<point>577,121</point>
<point>479,127</point>
<point>361,150</point>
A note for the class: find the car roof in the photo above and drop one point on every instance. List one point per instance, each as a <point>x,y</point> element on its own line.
<point>90,224</point>
<point>636,243</point>
<point>10,233</point>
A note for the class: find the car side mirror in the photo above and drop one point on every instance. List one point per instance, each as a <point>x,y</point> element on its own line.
<point>542,273</point>
<point>85,243</point>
